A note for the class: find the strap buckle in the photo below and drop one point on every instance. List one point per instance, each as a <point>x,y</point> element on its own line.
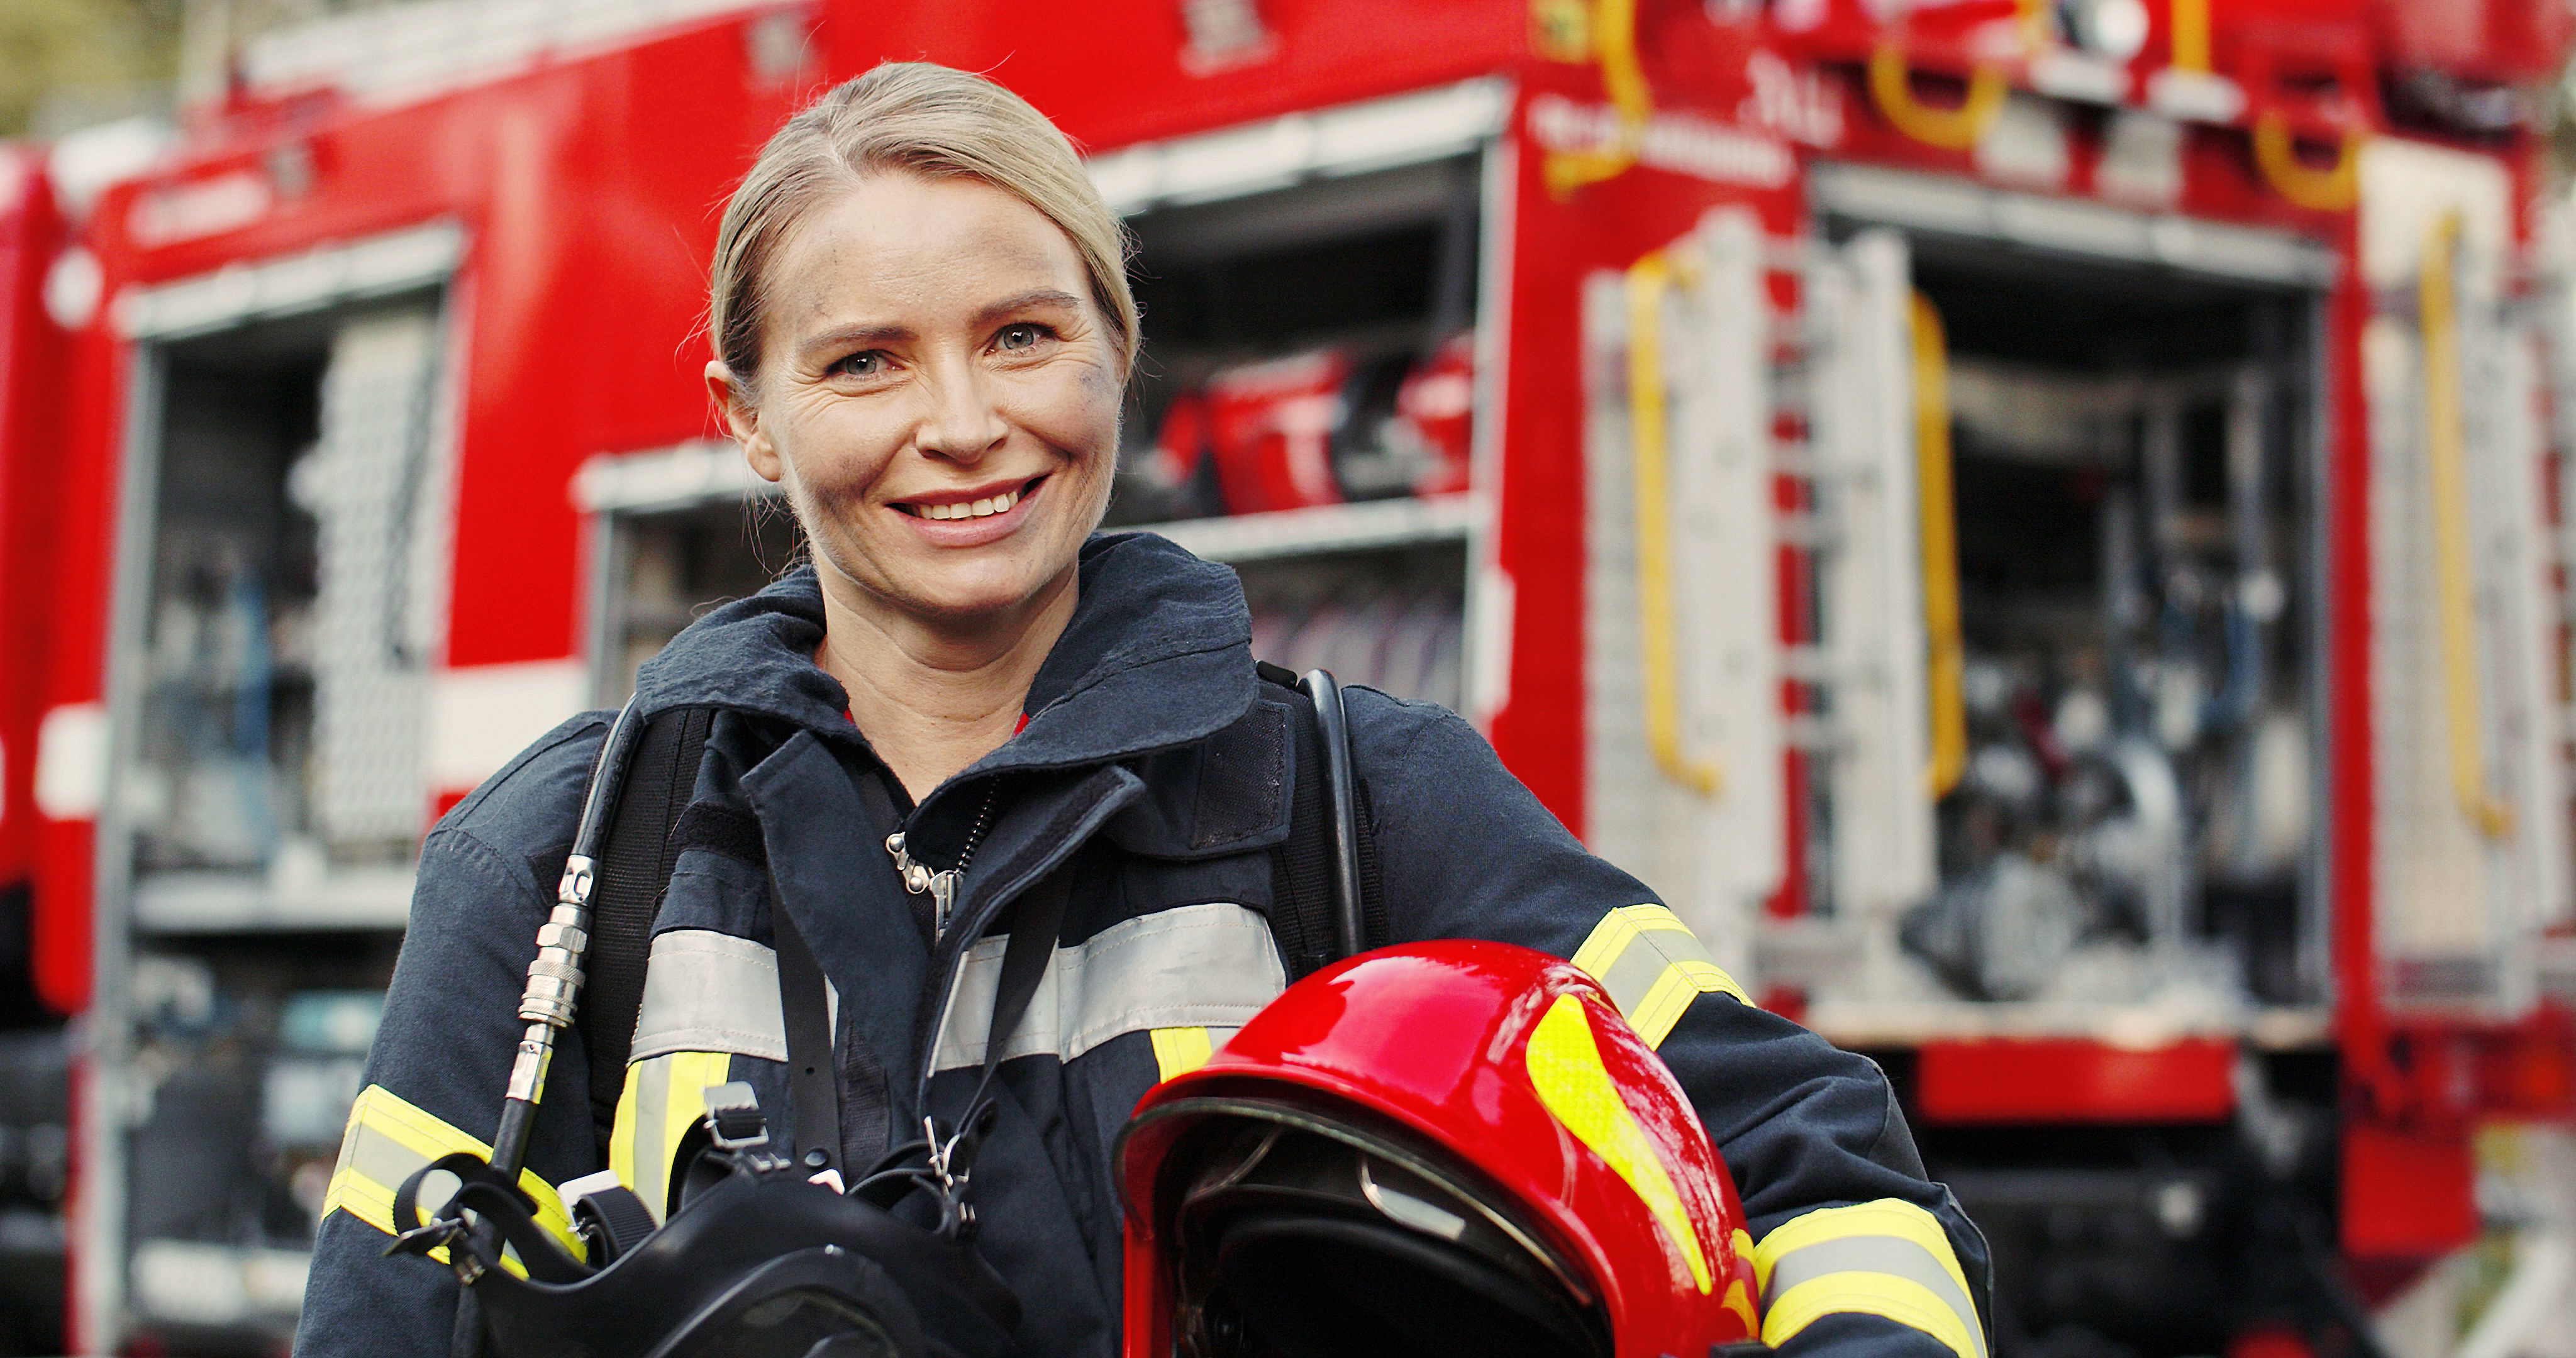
<point>952,1167</point>
<point>734,1119</point>
<point>943,1157</point>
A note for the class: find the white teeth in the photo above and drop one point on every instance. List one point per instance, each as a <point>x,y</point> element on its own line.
<point>998,504</point>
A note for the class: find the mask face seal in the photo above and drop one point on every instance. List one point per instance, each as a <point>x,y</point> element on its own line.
<point>811,1304</point>
<point>1296,1243</point>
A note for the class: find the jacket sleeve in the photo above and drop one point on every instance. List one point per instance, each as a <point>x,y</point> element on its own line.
<point>1861,1256</point>
<point>441,1057</point>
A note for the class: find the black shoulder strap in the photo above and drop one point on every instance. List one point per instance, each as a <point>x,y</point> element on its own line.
<point>1037,919</point>
<point>804,1001</point>
<point>632,873</point>
<point>1311,872</point>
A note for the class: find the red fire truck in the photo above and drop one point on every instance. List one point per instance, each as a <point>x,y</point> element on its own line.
<point>33,1077</point>
<point>2037,528</point>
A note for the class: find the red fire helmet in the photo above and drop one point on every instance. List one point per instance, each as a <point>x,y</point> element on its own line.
<point>1444,1148</point>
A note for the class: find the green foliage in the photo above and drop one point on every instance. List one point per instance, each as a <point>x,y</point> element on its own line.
<point>65,62</point>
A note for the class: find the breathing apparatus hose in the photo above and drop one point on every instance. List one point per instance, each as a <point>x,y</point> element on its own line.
<point>555,977</point>
<point>1350,920</point>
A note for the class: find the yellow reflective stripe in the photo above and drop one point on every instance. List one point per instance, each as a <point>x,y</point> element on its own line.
<point>1877,1256</point>
<point>1887,1216</point>
<point>1741,1303</point>
<point>1178,1051</point>
<point>1653,966</point>
<point>388,1140</point>
<point>1670,996</point>
<point>691,1074</point>
<point>1564,1061</point>
<point>1621,927</point>
<point>621,1135</point>
<point>664,1096</point>
<point>1887,1258</point>
<point>1902,1300</point>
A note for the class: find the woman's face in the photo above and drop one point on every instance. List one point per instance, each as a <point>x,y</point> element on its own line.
<point>937,392</point>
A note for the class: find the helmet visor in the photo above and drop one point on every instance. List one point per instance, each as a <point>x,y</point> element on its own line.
<point>1299,1243</point>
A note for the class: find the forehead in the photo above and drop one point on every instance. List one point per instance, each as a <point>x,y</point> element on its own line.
<point>917,244</point>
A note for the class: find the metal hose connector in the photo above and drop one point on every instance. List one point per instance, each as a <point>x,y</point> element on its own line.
<point>555,977</point>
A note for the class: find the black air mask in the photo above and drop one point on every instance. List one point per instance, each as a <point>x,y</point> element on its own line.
<point>758,1254</point>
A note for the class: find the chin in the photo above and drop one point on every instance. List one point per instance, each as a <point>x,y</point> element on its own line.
<point>972,591</point>
<point>954,586</point>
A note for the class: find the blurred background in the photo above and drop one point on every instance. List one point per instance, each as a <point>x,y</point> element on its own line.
<point>2039,526</point>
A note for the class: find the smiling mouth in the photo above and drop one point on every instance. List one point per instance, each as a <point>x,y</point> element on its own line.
<point>984,508</point>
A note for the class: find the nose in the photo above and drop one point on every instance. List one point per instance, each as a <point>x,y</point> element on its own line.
<point>963,422</point>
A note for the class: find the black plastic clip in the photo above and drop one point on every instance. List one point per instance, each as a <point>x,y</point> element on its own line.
<point>502,1212</point>
<point>734,1119</point>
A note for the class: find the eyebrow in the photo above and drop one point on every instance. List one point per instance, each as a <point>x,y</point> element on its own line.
<point>853,337</point>
<point>863,335</point>
<point>1035,297</point>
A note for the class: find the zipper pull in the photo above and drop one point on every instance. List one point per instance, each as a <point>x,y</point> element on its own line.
<point>941,887</point>
<point>943,901</point>
<point>916,878</point>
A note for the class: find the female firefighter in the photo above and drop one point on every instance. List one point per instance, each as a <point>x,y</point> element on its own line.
<point>922,332</point>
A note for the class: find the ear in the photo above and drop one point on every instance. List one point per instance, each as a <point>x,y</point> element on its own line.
<point>742,420</point>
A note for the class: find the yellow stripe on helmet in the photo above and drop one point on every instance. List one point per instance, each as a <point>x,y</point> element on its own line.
<point>1564,1061</point>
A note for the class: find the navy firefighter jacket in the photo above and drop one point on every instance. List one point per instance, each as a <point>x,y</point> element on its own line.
<point>1155,761</point>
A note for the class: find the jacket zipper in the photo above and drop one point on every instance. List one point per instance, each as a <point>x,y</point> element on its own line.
<point>965,930</point>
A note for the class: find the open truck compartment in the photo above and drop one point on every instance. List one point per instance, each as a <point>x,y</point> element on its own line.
<point>292,482</point>
<point>2134,462</point>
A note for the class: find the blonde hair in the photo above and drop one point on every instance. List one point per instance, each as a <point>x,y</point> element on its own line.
<point>928,120</point>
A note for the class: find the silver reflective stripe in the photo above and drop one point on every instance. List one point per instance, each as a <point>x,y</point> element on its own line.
<point>1631,976</point>
<point>372,1152</point>
<point>1197,966</point>
<point>1885,1254</point>
<point>710,992</point>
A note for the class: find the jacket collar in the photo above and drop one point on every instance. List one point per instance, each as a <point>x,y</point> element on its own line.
<point>1157,654</point>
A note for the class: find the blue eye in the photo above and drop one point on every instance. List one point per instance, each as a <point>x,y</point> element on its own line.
<point>1018,336</point>
<point>867,364</point>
